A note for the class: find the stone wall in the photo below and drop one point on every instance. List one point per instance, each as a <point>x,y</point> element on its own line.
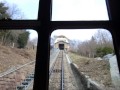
<point>115,75</point>
<point>86,81</point>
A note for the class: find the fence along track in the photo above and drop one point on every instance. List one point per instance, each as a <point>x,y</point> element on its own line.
<point>9,80</point>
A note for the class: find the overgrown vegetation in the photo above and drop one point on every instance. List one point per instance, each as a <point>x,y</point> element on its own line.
<point>99,45</point>
<point>101,51</point>
<point>13,38</point>
<point>97,70</point>
<point>3,11</point>
<point>22,39</point>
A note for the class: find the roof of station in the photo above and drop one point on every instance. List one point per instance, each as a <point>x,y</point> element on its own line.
<point>61,38</point>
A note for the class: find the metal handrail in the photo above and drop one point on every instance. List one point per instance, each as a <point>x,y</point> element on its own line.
<point>6,73</point>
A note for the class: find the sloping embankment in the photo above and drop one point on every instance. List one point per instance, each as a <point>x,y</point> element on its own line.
<point>14,57</point>
<point>94,70</point>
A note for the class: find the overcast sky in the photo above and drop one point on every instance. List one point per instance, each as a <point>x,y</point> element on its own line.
<point>28,8</point>
<point>79,10</point>
<point>66,10</point>
<point>74,10</point>
<point>76,34</point>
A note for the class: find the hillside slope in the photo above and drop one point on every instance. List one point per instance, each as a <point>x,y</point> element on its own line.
<point>98,70</point>
<point>13,57</point>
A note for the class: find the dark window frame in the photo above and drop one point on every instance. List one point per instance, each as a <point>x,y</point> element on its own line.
<point>44,26</point>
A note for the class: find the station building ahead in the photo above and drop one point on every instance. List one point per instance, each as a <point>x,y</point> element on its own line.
<point>62,43</point>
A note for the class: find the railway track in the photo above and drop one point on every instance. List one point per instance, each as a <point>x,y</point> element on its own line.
<point>25,74</point>
<point>17,78</point>
<point>61,76</point>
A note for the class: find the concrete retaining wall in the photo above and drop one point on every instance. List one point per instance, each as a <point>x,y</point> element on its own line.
<point>115,75</point>
<point>86,81</point>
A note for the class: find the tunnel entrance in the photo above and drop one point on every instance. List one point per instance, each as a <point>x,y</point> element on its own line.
<point>61,46</point>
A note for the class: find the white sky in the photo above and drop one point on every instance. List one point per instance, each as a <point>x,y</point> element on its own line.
<point>74,10</point>
<point>66,10</point>
<point>79,10</point>
<point>76,34</point>
<point>28,8</point>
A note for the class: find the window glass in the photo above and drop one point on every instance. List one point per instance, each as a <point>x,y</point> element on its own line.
<point>17,59</point>
<point>83,59</point>
<point>19,9</point>
<point>78,10</point>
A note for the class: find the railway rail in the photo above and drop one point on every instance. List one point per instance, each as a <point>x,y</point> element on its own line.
<point>61,76</point>
<point>19,78</point>
<point>13,78</point>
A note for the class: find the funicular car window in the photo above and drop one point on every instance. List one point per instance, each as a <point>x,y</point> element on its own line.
<point>41,79</point>
<point>17,58</point>
<point>19,10</point>
<point>79,10</point>
<point>83,53</point>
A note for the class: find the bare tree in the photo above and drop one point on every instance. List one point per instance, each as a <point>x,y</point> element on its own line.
<point>103,37</point>
<point>52,40</point>
<point>92,47</point>
<point>83,48</point>
<point>32,44</point>
<point>74,45</point>
<point>88,48</point>
<point>15,12</point>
